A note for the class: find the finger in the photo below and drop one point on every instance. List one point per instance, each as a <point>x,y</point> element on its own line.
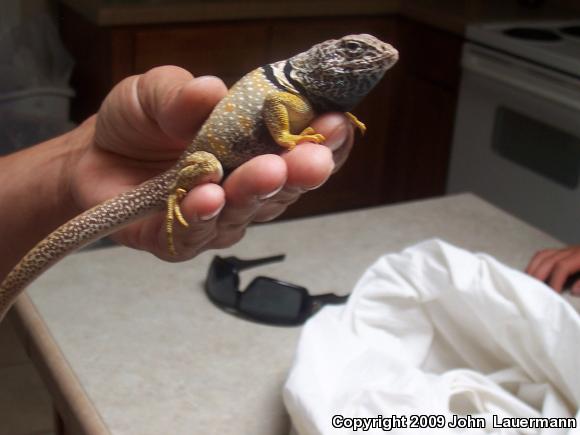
<point>178,102</point>
<point>271,210</point>
<point>537,260</point>
<point>154,116</point>
<point>333,126</point>
<point>309,166</point>
<point>339,133</point>
<point>246,188</point>
<point>563,268</point>
<point>575,290</point>
<point>200,208</point>
<point>183,112</point>
<point>341,154</point>
<point>127,123</point>
<point>254,181</point>
<point>545,263</point>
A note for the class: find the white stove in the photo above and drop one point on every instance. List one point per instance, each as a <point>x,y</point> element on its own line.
<point>517,131</point>
<point>554,44</point>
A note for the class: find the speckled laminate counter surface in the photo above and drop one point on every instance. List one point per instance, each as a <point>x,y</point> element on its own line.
<point>129,344</point>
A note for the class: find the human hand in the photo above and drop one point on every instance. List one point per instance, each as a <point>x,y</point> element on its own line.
<point>144,125</point>
<point>556,267</point>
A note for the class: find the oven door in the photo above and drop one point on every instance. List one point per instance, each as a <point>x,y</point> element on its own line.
<point>517,140</point>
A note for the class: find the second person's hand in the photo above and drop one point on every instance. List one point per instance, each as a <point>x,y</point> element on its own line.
<point>556,266</point>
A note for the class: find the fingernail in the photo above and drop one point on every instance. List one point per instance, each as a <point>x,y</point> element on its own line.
<point>338,137</point>
<point>210,216</point>
<point>316,187</point>
<point>270,195</point>
<point>206,78</point>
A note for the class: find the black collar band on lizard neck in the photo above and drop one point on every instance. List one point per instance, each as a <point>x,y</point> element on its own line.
<point>319,103</point>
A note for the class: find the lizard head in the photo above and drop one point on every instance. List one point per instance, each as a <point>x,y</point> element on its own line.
<point>338,73</point>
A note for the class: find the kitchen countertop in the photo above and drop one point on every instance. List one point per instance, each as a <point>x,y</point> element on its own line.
<point>450,15</point>
<point>128,344</point>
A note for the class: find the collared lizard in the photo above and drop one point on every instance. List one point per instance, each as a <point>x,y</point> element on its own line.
<point>267,111</point>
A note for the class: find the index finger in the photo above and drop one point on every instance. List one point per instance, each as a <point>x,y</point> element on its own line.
<point>153,116</point>
<point>537,259</point>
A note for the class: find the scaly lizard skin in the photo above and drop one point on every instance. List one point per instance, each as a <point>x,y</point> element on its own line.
<point>269,110</point>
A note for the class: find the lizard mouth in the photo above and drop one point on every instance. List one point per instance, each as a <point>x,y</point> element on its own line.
<point>390,56</point>
<point>387,59</point>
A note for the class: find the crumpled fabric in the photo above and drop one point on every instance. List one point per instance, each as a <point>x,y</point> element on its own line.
<point>438,333</point>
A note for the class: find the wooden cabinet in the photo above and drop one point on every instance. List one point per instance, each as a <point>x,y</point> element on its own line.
<point>225,50</point>
<point>409,115</point>
<point>425,95</point>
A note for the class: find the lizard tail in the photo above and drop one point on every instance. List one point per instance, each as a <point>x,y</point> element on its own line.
<point>87,227</point>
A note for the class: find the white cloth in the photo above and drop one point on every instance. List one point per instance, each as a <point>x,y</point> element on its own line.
<point>436,330</point>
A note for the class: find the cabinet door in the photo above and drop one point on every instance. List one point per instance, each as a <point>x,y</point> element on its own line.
<point>226,50</point>
<point>421,141</point>
<point>422,128</point>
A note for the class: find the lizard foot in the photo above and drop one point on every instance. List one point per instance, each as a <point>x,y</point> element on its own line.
<point>307,131</point>
<point>290,141</point>
<point>198,168</point>
<point>174,212</point>
<point>360,125</point>
<point>310,135</point>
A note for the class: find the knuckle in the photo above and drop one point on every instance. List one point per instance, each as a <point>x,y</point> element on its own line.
<point>562,267</point>
<point>229,239</point>
<point>229,227</point>
<point>544,252</point>
<point>237,236</point>
<point>165,69</point>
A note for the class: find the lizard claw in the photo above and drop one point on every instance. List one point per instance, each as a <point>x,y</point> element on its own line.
<point>316,138</point>
<point>180,193</point>
<point>291,140</point>
<point>307,130</point>
<point>174,211</point>
<point>198,167</point>
<point>310,135</point>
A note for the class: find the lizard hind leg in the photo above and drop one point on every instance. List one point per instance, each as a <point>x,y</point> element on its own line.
<point>197,168</point>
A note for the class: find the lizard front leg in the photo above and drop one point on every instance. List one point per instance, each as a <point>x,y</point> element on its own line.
<point>282,111</point>
<point>197,168</point>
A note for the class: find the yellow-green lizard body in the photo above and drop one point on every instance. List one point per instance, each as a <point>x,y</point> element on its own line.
<point>267,111</point>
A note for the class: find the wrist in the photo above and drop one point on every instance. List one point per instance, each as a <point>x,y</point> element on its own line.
<point>36,194</point>
<point>73,145</point>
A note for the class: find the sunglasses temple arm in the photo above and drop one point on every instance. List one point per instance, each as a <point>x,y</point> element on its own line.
<point>330,299</point>
<point>240,264</point>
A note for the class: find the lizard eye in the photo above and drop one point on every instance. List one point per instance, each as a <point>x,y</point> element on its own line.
<point>352,46</point>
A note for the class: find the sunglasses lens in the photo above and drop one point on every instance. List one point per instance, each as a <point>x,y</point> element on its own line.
<point>266,298</point>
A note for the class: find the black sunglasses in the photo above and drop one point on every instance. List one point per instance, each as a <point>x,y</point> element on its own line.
<point>265,300</point>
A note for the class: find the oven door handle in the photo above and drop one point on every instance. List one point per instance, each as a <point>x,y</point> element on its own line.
<point>540,81</point>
